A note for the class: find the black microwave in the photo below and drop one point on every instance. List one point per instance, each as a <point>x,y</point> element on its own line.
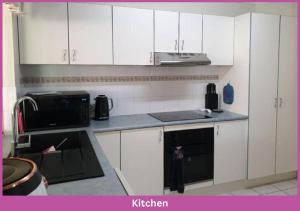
<point>57,110</point>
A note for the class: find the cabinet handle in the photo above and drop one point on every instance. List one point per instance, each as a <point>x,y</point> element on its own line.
<point>176,45</point>
<point>218,129</point>
<point>182,44</point>
<point>280,102</point>
<point>65,55</point>
<point>151,57</point>
<point>275,102</point>
<point>73,55</point>
<point>161,135</point>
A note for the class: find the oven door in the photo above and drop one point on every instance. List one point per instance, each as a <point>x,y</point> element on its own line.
<point>197,166</point>
<point>198,155</point>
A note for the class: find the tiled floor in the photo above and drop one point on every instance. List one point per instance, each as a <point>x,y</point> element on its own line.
<point>284,188</point>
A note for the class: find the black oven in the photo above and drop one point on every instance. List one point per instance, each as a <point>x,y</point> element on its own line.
<point>57,110</point>
<point>196,148</point>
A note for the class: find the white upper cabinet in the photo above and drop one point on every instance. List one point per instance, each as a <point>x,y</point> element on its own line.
<point>166,31</point>
<point>218,35</point>
<point>43,33</point>
<point>263,95</point>
<point>286,146</point>
<point>190,33</point>
<point>176,32</point>
<point>90,33</point>
<point>133,36</point>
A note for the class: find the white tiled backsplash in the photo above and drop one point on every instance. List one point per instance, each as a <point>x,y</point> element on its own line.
<point>130,97</point>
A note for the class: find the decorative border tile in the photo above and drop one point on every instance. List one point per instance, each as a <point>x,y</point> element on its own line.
<point>107,79</point>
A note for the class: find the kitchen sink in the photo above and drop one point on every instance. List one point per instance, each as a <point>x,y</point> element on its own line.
<point>62,157</point>
<point>39,143</point>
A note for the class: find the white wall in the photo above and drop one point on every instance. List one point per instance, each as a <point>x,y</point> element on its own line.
<point>218,8</point>
<point>131,97</point>
<point>226,9</point>
<point>288,9</point>
<point>238,75</point>
<point>143,97</point>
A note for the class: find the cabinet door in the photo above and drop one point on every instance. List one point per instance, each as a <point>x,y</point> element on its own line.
<point>190,33</point>
<point>218,35</point>
<point>133,36</point>
<point>263,95</point>
<point>90,33</point>
<point>166,31</point>
<point>43,34</point>
<point>142,160</point>
<point>230,154</point>
<point>110,143</point>
<point>286,146</point>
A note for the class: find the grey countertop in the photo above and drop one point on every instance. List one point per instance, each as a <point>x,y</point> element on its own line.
<point>127,122</point>
<point>110,184</point>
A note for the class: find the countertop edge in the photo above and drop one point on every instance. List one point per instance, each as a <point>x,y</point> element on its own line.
<point>164,124</point>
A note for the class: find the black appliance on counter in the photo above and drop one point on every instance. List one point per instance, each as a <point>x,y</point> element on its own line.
<point>57,110</point>
<point>178,115</point>
<point>211,97</point>
<point>102,107</point>
<point>197,149</point>
<point>72,156</point>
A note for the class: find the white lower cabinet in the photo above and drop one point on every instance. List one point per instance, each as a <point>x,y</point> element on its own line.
<point>110,144</point>
<point>139,154</point>
<point>230,151</point>
<point>142,160</point>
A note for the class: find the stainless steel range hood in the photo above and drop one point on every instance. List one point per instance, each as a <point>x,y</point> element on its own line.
<point>180,59</point>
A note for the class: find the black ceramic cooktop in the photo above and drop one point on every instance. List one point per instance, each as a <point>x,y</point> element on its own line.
<point>178,116</point>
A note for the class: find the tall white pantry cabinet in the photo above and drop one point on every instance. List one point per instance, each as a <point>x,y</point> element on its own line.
<point>272,107</point>
<point>286,145</point>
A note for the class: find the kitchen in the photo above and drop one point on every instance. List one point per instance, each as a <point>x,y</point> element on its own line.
<point>139,99</point>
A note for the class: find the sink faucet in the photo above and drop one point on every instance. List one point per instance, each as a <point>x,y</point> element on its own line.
<point>15,117</point>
